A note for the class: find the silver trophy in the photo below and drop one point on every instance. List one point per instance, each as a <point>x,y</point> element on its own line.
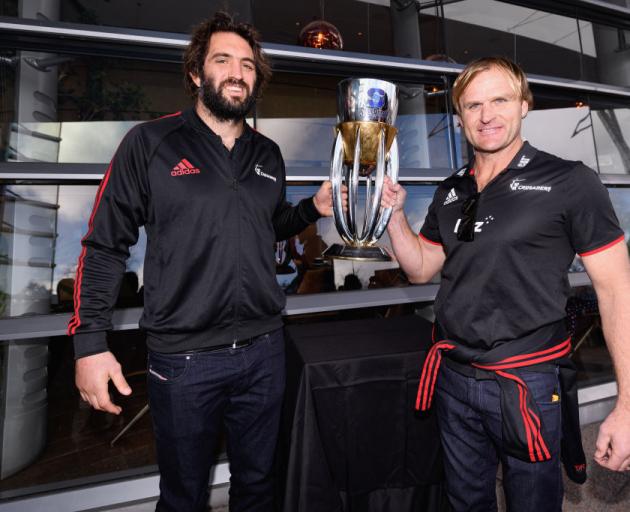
<point>365,151</point>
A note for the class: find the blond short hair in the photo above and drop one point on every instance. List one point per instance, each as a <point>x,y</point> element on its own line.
<point>515,74</point>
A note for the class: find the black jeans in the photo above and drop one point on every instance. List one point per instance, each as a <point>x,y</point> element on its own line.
<point>469,416</point>
<point>191,395</point>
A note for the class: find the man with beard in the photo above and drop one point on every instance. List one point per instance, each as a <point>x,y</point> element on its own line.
<point>210,193</point>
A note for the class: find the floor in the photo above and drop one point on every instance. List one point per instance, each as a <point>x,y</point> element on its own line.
<point>604,491</point>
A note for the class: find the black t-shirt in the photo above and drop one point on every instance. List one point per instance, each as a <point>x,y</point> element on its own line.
<point>531,220</point>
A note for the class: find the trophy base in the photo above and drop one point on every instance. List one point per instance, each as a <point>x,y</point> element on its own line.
<point>347,252</point>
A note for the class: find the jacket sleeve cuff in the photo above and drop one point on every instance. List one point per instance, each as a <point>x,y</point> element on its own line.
<point>308,212</point>
<point>90,343</point>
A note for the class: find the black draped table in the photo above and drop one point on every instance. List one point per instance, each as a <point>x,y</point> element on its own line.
<point>351,439</point>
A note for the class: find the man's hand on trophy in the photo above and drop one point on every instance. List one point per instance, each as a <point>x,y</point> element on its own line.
<point>323,199</point>
<point>393,195</point>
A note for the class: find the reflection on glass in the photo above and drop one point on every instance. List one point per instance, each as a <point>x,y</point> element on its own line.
<point>155,15</point>
<point>27,241</point>
<point>620,197</point>
<point>72,108</point>
<point>365,26</point>
<point>40,243</point>
<point>590,354</point>
<point>301,268</point>
<point>540,42</point>
<point>76,440</point>
<point>43,225</point>
<point>299,113</point>
<point>611,127</point>
<point>565,131</point>
<point>613,56</point>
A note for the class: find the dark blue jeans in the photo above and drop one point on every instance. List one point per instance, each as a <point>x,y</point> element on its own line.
<point>469,416</point>
<point>191,396</point>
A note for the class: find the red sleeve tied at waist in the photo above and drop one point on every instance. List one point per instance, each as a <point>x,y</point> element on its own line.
<point>518,407</point>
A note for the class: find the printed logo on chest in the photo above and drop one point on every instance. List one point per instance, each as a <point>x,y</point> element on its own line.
<point>258,169</point>
<point>517,184</point>
<point>184,167</point>
<point>479,224</point>
<point>451,197</point>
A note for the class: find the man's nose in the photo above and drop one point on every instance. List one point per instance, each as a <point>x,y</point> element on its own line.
<point>487,113</point>
<point>236,70</point>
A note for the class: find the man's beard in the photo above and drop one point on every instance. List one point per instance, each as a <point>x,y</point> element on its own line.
<point>222,108</point>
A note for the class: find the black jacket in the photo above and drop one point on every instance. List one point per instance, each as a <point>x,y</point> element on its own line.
<point>211,217</point>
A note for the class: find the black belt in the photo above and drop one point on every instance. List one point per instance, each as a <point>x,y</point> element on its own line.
<point>235,344</point>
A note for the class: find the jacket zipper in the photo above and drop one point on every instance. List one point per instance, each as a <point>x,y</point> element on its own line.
<point>238,249</point>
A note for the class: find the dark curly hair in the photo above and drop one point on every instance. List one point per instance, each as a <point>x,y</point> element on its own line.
<point>197,50</point>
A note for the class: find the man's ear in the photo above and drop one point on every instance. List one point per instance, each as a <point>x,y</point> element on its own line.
<point>458,120</point>
<point>524,109</point>
<point>195,79</point>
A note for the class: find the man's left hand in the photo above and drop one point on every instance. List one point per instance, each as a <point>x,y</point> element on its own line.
<point>613,441</point>
<point>323,199</point>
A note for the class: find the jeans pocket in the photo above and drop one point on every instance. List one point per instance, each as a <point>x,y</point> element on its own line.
<point>544,387</point>
<point>168,367</point>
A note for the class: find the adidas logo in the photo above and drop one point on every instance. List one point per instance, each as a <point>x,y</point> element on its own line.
<point>451,197</point>
<point>184,167</point>
<point>523,161</point>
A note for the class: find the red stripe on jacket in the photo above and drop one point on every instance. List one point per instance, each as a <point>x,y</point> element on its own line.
<point>75,321</point>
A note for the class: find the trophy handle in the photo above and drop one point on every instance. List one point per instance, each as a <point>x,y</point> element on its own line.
<point>353,185</point>
<point>336,168</point>
<point>392,167</point>
<point>373,198</point>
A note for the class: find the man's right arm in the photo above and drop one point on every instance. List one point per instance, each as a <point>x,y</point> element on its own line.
<point>419,258</point>
<point>119,209</point>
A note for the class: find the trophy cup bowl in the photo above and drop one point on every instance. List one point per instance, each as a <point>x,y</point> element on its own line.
<point>364,152</point>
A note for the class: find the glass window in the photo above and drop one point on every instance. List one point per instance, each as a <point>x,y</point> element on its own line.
<point>52,439</point>
<point>612,52</point>
<point>367,26</point>
<point>301,268</point>
<point>561,124</point>
<point>154,15</point>
<point>363,26</point>
<point>73,108</point>
<point>577,126</point>
<point>299,112</point>
<point>611,131</point>
<point>590,354</point>
<point>540,42</point>
<point>620,197</point>
<point>40,243</point>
